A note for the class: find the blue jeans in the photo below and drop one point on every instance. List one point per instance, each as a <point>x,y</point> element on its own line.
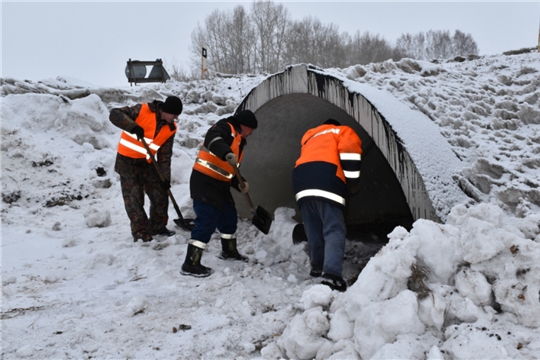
<point>209,218</point>
<point>325,229</point>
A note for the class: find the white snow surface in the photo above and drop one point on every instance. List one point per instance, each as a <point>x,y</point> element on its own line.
<point>75,285</point>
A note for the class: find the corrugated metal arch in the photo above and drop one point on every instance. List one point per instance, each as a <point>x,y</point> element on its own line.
<point>303,96</point>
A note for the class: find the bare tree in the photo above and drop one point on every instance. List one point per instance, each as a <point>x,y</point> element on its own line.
<point>464,44</point>
<point>271,22</point>
<point>240,37</point>
<point>366,48</point>
<point>329,46</point>
<point>266,40</point>
<point>300,43</point>
<point>436,45</point>
<point>310,41</point>
<point>212,36</point>
<point>228,38</point>
<point>412,45</point>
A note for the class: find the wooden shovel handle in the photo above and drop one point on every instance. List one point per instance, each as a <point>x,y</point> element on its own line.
<point>162,177</point>
<point>243,185</point>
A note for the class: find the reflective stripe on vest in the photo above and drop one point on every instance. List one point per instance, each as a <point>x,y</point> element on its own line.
<point>350,157</point>
<point>131,147</point>
<point>214,168</point>
<point>351,174</point>
<point>138,145</point>
<point>338,145</point>
<point>320,193</point>
<point>209,164</point>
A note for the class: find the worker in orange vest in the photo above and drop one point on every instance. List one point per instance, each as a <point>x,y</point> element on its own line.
<point>155,122</point>
<point>327,169</point>
<point>212,177</point>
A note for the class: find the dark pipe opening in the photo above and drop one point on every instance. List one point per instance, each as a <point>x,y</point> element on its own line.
<point>272,150</point>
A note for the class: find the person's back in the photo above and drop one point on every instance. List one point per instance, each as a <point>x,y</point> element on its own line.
<point>329,152</point>
<point>329,161</point>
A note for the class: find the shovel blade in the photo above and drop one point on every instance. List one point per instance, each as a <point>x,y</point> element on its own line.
<point>186,224</point>
<point>299,234</point>
<point>262,219</point>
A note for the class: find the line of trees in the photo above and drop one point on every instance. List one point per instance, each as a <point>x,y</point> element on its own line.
<point>264,39</point>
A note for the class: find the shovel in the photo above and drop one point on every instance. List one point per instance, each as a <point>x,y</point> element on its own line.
<point>186,224</point>
<point>299,234</point>
<point>262,219</point>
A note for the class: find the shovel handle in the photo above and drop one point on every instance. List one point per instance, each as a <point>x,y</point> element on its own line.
<point>243,185</point>
<point>162,177</point>
<point>158,169</point>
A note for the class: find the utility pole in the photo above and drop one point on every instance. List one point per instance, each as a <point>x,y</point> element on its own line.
<point>203,61</point>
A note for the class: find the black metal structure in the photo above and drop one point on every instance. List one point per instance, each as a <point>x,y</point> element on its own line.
<point>136,71</point>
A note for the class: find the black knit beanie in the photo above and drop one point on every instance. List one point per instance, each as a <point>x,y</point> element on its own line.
<point>172,105</point>
<point>247,118</point>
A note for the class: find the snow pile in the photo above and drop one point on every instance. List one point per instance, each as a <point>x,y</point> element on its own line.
<point>474,278</point>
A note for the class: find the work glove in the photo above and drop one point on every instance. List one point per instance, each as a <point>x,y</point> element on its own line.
<point>244,189</point>
<point>138,131</point>
<point>231,159</point>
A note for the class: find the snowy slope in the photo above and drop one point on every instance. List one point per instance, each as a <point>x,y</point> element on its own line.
<point>74,285</point>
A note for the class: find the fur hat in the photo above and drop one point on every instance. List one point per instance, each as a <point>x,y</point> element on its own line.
<point>172,105</point>
<point>247,118</point>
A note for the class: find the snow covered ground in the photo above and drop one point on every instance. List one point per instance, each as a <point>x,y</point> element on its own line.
<point>74,285</point>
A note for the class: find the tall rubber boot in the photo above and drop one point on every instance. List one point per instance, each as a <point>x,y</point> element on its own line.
<point>192,265</point>
<point>229,251</point>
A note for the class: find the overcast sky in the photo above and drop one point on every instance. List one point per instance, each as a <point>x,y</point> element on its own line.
<point>92,41</point>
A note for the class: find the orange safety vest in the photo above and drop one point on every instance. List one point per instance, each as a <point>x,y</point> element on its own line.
<point>327,144</point>
<point>131,147</point>
<point>209,164</point>
<point>332,144</point>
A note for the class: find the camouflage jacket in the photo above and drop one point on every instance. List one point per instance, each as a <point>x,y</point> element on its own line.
<point>124,118</point>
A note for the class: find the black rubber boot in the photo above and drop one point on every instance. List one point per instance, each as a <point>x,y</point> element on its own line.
<point>192,265</point>
<point>229,251</point>
<point>162,232</point>
<point>334,282</point>
<point>315,272</point>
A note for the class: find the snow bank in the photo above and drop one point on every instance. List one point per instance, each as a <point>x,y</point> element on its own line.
<point>479,272</point>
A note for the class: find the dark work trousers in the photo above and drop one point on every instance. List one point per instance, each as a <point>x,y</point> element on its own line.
<point>210,218</point>
<point>135,183</point>
<point>325,229</point>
